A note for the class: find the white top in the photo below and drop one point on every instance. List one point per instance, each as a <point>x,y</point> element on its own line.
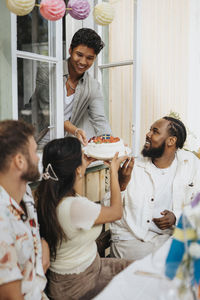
<point>68,104</point>
<point>77,216</point>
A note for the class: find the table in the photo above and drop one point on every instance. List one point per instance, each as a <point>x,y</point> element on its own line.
<point>144,280</point>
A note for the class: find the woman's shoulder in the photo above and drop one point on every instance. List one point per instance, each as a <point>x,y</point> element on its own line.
<point>68,200</point>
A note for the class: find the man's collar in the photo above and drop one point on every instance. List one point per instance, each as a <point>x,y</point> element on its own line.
<point>66,70</point>
<point>182,156</point>
<point>6,198</point>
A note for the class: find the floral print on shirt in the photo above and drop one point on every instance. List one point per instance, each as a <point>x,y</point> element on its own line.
<point>20,247</point>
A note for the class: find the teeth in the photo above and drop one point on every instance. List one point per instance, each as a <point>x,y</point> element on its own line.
<point>147,142</point>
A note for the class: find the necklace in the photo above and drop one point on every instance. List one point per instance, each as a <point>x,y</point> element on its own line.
<point>71,87</point>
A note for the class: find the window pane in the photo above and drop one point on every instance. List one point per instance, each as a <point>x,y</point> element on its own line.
<point>119,34</point>
<point>118,92</point>
<point>36,88</point>
<point>32,34</point>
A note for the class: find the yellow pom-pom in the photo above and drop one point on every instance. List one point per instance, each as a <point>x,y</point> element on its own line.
<point>103,13</point>
<point>20,7</point>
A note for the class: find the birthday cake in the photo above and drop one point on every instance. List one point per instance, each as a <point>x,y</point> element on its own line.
<point>105,146</point>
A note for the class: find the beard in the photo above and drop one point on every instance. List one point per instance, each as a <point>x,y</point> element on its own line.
<point>154,152</point>
<point>32,173</point>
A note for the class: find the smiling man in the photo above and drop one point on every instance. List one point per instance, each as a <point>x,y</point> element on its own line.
<point>83,101</point>
<point>162,182</point>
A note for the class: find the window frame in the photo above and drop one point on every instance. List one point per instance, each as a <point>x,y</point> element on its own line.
<point>56,106</point>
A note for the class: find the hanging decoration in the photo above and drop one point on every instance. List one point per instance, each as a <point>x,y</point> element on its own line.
<point>78,9</point>
<point>52,10</point>
<point>103,13</point>
<point>20,7</point>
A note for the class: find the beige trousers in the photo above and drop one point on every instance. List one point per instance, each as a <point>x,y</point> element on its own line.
<point>136,249</point>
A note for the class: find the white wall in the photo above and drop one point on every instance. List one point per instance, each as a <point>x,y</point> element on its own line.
<point>193,105</point>
<point>164,60</point>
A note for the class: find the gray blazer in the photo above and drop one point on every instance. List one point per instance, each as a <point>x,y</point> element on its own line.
<point>88,105</point>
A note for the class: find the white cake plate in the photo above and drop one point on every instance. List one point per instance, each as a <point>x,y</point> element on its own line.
<point>103,157</point>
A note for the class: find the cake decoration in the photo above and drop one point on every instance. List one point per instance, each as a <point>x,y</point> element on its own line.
<point>20,7</point>
<point>78,9</point>
<point>106,136</point>
<point>103,139</point>
<point>52,10</point>
<point>103,13</point>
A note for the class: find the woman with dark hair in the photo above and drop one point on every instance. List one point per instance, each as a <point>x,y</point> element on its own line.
<point>71,223</point>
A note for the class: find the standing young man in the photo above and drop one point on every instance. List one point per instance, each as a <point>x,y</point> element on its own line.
<point>84,114</point>
<point>21,268</point>
<point>83,101</point>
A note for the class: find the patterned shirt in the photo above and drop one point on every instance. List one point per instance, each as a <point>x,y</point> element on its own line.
<point>20,247</point>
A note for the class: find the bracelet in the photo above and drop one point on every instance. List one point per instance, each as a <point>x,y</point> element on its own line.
<point>76,131</point>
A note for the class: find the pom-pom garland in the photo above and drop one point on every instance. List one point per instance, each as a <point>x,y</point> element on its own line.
<point>20,7</point>
<point>79,9</point>
<point>103,13</point>
<point>52,10</point>
<point>55,9</point>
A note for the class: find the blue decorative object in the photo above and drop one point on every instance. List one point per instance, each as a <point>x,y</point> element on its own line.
<point>184,254</point>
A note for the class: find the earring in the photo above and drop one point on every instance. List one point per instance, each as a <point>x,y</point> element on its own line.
<point>80,175</point>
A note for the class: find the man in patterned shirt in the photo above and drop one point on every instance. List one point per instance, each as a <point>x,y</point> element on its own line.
<point>21,265</point>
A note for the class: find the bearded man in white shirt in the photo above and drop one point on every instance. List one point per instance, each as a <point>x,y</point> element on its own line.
<point>162,182</point>
<point>22,266</point>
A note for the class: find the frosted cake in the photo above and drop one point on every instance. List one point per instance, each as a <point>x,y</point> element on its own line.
<point>105,147</point>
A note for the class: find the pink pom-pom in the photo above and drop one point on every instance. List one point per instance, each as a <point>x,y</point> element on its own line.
<point>52,10</point>
<point>80,9</point>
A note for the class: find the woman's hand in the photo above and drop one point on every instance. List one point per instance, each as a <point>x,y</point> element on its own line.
<point>125,172</point>
<point>115,163</point>
<point>89,160</point>
<point>115,210</point>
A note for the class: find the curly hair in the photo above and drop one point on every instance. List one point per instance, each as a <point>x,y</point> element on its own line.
<point>89,38</point>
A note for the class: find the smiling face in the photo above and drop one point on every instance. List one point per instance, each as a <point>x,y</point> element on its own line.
<point>156,139</point>
<point>81,59</point>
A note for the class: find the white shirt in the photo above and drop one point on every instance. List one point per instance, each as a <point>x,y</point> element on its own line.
<point>163,183</point>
